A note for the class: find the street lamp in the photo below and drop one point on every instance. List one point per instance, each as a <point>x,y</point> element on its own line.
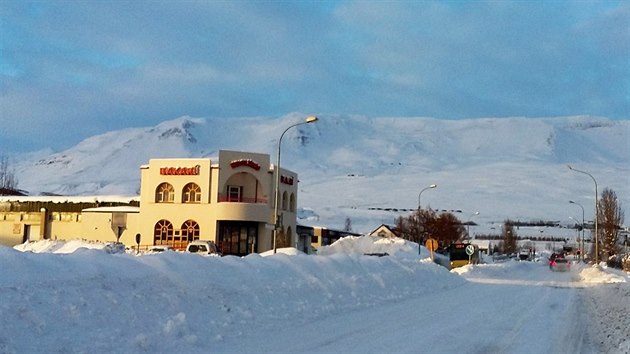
<point>424,189</point>
<point>468,223</point>
<point>580,205</point>
<point>580,248</point>
<point>596,211</point>
<point>276,216</point>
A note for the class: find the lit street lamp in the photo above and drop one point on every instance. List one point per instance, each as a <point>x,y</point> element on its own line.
<point>596,212</point>
<point>580,205</point>
<point>276,216</point>
<point>420,194</point>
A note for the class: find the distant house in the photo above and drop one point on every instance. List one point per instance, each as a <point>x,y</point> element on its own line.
<point>319,236</point>
<point>484,245</point>
<point>385,231</point>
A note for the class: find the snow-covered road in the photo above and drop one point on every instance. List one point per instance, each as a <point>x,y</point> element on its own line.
<point>72,300</point>
<point>516,308</point>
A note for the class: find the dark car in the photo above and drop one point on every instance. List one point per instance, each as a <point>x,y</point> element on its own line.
<point>554,256</point>
<point>560,264</point>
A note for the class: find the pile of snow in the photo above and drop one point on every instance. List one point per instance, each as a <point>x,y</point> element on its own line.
<point>609,306</point>
<point>89,300</point>
<point>358,245</point>
<point>79,297</point>
<point>55,246</point>
<point>600,275</point>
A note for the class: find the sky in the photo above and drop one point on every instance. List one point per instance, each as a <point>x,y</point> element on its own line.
<point>73,297</point>
<point>73,69</point>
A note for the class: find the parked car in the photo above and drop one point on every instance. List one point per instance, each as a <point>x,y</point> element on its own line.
<point>524,254</point>
<point>203,247</point>
<point>160,248</point>
<point>560,264</point>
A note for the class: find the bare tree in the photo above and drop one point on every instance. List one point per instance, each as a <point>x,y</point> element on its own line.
<point>7,174</point>
<point>449,229</point>
<point>509,237</point>
<point>610,217</point>
<point>418,226</point>
<point>425,223</point>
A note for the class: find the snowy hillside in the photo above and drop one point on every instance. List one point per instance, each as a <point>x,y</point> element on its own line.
<point>355,166</point>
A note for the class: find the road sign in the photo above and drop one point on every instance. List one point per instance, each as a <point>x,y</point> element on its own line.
<point>470,249</point>
<point>432,244</point>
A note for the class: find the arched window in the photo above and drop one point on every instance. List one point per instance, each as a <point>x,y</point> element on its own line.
<point>284,200</point>
<point>292,202</point>
<point>163,232</point>
<point>164,193</point>
<point>190,231</point>
<point>191,193</point>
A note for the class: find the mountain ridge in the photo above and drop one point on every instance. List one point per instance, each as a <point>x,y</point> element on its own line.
<point>369,161</point>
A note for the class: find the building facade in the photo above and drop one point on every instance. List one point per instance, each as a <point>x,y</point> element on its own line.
<point>228,199</point>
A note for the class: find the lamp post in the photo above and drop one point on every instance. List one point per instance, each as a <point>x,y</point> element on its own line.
<point>420,194</point>
<point>596,212</point>
<point>580,205</point>
<point>276,216</point>
<point>468,223</point>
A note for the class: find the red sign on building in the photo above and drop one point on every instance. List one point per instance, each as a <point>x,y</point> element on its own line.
<point>286,180</point>
<point>245,162</point>
<point>180,171</point>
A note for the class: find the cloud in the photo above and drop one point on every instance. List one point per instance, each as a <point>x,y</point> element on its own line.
<point>97,66</point>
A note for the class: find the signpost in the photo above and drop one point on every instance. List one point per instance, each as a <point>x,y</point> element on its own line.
<point>470,250</point>
<point>431,245</point>
<point>138,243</point>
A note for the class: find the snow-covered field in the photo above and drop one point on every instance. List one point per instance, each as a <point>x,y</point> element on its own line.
<point>75,297</point>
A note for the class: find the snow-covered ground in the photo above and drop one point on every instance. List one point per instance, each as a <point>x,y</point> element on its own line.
<point>75,297</point>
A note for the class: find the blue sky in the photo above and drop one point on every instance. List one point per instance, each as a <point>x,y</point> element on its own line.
<point>72,69</point>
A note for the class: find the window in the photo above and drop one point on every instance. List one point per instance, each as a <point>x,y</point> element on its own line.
<point>238,238</point>
<point>284,201</point>
<point>235,193</point>
<point>190,231</point>
<point>165,193</point>
<point>191,193</point>
<point>163,232</point>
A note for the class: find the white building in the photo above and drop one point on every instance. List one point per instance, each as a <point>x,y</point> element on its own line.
<point>228,199</point>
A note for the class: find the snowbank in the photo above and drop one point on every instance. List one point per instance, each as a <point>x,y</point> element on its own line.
<point>598,274</point>
<point>78,297</point>
<point>359,245</point>
<point>53,246</point>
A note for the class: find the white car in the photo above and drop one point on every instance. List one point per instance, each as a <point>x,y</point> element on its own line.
<point>203,247</point>
<point>160,248</point>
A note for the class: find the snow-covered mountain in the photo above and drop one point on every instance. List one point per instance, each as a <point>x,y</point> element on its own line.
<point>372,169</point>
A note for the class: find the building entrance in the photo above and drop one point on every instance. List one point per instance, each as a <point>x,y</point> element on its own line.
<point>238,238</point>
